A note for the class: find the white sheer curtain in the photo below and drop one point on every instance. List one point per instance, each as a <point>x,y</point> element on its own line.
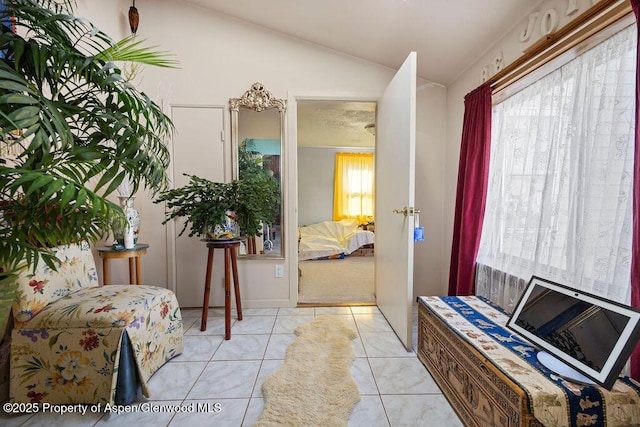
<point>559,201</point>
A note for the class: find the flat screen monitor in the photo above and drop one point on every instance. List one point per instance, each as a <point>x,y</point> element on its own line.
<point>590,334</point>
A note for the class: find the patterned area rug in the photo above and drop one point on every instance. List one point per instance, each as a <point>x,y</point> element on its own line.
<point>314,387</point>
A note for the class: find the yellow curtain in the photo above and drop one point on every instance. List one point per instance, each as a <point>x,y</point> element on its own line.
<point>353,196</point>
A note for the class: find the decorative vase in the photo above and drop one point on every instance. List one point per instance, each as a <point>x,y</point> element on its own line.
<point>129,238</point>
<point>130,232</point>
<point>227,231</point>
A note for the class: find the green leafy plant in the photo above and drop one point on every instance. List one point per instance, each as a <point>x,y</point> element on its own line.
<point>75,127</point>
<point>201,203</point>
<point>204,204</point>
<point>264,189</point>
<point>254,199</point>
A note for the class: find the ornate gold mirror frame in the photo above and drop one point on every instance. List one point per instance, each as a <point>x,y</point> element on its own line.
<point>246,124</point>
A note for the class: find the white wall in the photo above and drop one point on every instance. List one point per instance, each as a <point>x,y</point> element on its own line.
<point>509,48</point>
<point>430,192</point>
<point>220,58</point>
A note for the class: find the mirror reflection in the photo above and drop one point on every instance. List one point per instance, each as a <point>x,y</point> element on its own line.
<point>257,133</point>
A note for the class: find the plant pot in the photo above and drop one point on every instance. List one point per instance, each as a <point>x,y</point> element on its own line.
<point>228,230</point>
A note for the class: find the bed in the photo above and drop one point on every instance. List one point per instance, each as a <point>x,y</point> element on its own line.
<point>332,239</point>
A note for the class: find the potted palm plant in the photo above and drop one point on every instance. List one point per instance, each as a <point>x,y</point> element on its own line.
<point>71,129</point>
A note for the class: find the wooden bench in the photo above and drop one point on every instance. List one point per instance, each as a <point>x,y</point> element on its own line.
<point>491,377</point>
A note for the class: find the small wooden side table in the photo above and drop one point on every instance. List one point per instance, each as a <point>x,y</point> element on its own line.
<point>134,254</point>
<point>230,265</point>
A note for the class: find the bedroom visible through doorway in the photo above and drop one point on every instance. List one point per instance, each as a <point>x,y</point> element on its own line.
<point>336,238</point>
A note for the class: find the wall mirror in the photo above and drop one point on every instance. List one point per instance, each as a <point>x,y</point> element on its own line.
<point>257,138</point>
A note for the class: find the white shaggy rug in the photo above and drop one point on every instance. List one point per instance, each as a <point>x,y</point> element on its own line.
<point>314,386</point>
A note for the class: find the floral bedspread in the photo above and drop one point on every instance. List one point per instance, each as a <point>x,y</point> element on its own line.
<point>553,400</point>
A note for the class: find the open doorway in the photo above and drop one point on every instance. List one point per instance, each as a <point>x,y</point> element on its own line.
<point>336,242</point>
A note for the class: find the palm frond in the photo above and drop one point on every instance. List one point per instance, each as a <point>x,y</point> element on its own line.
<point>132,49</point>
<point>79,128</point>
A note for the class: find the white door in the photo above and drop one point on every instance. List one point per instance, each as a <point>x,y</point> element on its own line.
<point>198,149</point>
<point>395,189</point>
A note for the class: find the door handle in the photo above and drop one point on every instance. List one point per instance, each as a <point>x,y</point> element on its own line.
<point>407,211</point>
<point>403,211</point>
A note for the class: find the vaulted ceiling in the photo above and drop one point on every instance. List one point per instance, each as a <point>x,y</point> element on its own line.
<point>448,36</point>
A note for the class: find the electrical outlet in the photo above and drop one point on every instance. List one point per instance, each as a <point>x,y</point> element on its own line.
<point>279,270</point>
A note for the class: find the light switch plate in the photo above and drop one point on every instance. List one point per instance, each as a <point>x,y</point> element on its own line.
<point>279,270</point>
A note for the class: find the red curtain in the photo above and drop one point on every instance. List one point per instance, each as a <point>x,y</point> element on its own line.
<point>635,254</point>
<point>471,194</point>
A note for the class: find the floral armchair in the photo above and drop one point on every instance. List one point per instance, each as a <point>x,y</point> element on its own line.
<point>73,340</point>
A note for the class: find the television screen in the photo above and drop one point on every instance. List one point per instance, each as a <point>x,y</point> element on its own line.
<point>593,335</point>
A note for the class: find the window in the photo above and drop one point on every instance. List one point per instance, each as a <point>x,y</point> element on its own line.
<point>559,201</point>
<point>354,187</point>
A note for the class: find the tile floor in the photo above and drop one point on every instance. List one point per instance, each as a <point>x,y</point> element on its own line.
<point>224,377</point>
